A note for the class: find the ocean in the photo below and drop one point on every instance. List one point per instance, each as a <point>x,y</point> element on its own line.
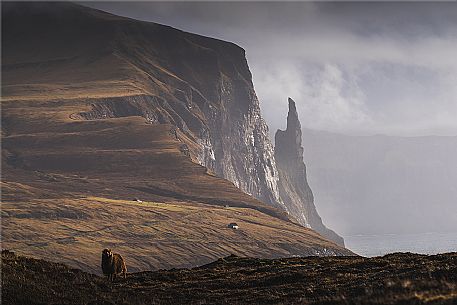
<point>424,243</point>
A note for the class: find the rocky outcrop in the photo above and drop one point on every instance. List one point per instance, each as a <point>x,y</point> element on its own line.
<point>293,186</point>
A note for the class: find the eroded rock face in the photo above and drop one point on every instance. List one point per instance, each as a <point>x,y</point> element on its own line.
<point>293,186</point>
<point>204,88</point>
<point>242,149</point>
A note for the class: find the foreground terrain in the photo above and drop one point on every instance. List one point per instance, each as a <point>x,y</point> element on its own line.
<point>401,278</point>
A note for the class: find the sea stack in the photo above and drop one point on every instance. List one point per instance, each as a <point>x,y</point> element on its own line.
<point>293,185</point>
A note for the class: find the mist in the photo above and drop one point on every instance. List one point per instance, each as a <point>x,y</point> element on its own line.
<point>383,184</point>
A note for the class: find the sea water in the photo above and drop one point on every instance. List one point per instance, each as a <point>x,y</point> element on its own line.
<point>424,243</point>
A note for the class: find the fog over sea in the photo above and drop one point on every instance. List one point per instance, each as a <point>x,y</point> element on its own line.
<point>423,243</point>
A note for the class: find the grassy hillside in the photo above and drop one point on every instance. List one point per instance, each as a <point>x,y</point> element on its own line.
<point>59,172</point>
<point>117,157</point>
<point>150,235</point>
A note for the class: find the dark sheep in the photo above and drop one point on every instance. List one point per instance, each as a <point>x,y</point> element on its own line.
<point>113,264</point>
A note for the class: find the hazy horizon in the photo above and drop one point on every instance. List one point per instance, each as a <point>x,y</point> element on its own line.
<point>368,185</point>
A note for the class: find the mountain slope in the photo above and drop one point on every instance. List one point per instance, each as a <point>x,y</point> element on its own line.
<point>98,110</point>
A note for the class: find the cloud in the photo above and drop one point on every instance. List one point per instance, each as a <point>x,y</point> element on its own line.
<point>335,99</point>
<point>357,98</point>
<point>346,47</point>
<point>326,98</point>
<point>361,85</point>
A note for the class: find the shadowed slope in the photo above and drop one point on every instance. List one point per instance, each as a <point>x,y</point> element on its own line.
<point>393,279</point>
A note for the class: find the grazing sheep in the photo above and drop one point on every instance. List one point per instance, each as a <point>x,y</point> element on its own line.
<point>233,225</point>
<point>113,264</point>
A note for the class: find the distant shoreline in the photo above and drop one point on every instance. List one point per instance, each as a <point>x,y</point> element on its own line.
<point>421,243</point>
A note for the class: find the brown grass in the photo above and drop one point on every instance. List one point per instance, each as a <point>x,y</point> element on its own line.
<point>69,187</point>
<point>150,235</point>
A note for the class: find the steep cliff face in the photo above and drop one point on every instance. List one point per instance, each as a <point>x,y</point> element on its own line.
<point>293,186</point>
<point>209,97</point>
<point>243,152</point>
<point>127,68</point>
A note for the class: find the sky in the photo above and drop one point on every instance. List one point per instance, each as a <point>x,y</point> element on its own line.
<point>354,68</point>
